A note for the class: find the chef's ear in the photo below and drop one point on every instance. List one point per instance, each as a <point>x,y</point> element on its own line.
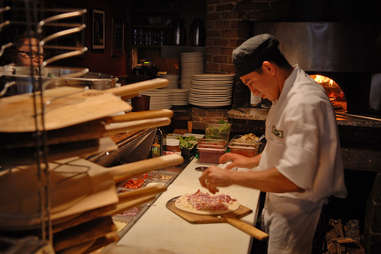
<point>268,67</point>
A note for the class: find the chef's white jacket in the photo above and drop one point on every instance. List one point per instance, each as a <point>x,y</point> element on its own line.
<point>303,144</point>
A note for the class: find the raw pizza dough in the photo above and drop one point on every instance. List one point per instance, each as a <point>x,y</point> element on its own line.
<point>183,204</point>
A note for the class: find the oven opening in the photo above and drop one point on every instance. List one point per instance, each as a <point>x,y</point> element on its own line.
<point>333,91</point>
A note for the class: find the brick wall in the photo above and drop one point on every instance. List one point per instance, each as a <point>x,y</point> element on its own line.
<point>228,25</point>
<point>202,116</point>
<point>222,33</point>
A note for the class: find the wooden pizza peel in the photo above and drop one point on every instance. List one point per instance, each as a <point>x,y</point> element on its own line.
<point>83,233</point>
<point>233,218</point>
<point>77,187</point>
<point>67,106</point>
<point>9,158</point>
<point>132,199</point>
<point>129,122</point>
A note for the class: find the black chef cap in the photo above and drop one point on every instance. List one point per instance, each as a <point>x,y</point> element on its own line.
<point>249,55</point>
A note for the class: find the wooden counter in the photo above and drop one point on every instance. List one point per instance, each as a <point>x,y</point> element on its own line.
<point>161,231</point>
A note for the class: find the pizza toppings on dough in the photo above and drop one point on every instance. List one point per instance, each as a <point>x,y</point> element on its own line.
<point>204,201</point>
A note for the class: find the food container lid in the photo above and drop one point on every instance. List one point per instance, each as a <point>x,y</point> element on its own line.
<point>244,147</point>
<point>212,149</point>
<point>207,141</point>
<point>172,142</point>
<point>236,141</point>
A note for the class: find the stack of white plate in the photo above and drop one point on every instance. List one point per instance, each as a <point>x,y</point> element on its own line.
<point>159,98</point>
<point>173,80</point>
<point>211,90</point>
<point>191,63</point>
<point>178,97</point>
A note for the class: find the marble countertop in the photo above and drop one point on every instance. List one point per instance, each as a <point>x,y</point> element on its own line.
<point>161,231</point>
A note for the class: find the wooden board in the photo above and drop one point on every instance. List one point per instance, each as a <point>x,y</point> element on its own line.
<point>232,218</point>
<point>64,106</point>
<point>102,212</point>
<point>77,186</point>
<point>135,198</point>
<point>83,233</point>
<point>85,131</point>
<point>89,186</point>
<point>10,158</point>
<point>205,219</point>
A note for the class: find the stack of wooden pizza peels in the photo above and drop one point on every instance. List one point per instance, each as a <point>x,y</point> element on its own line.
<point>82,195</point>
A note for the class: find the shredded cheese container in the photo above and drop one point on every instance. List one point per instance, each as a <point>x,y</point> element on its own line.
<point>246,150</point>
<point>210,150</point>
<point>245,146</point>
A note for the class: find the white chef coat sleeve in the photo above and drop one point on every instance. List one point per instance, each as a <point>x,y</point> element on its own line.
<point>301,144</point>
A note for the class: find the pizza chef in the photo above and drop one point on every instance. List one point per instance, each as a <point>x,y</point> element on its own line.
<point>301,165</point>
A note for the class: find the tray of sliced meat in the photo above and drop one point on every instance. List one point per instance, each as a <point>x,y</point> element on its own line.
<point>203,208</point>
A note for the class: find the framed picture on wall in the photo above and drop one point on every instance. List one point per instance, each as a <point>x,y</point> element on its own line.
<point>118,37</point>
<point>98,30</point>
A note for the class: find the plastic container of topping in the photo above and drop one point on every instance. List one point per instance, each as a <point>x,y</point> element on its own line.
<point>211,143</point>
<point>247,145</point>
<point>210,150</point>
<point>173,145</point>
<point>218,131</point>
<point>246,150</point>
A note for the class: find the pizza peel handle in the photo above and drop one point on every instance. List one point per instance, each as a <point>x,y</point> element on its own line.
<point>135,88</point>
<point>247,228</point>
<point>125,171</point>
<point>141,115</point>
<point>232,218</point>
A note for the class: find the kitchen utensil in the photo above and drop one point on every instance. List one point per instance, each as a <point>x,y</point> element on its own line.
<point>83,233</point>
<point>133,147</point>
<point>85,131</point>
<point>123,204</point>
<point>201,168</point>
<point>62,149</point>
<point>139,115</point>
<point>197,33</point>
<point>67,106</point>
<point>26,155</point>
<point>231,218</point>
<point>76,186</point>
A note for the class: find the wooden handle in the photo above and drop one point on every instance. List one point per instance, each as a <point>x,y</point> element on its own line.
<point>132,116</point>
<point>126,204</point>
<point>247,228</point>
<point>123,172</point>
<point>116,128</point>
<point>158,188</point>
<point>135,88</point>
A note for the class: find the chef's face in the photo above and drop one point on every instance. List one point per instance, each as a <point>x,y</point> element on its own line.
<point>264,83</point>
<point>28,50</point>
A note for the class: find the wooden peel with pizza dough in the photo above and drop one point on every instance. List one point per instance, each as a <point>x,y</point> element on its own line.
<point>201,208</point>
<point>206,204</point>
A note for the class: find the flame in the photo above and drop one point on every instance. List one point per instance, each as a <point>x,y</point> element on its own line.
<point>332,89</point>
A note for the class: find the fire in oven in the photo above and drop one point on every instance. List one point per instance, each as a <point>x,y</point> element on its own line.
<point>334,92</point>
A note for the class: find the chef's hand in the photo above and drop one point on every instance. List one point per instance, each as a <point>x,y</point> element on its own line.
<point>214,177</point>
<point>238,160</point>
